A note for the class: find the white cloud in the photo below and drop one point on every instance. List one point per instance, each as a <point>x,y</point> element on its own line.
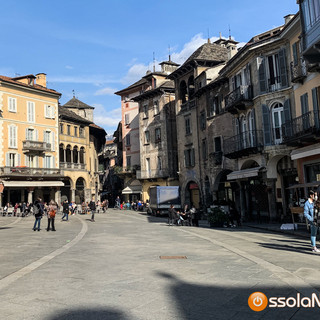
<point>135,73</point>
<point>97,80</point>
<point>69,67</point>
<point>105,91</point>
<point>108,119</point>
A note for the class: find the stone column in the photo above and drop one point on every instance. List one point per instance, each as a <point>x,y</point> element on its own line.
<point>30,196</point>
<point>271,188</point>
<point>73,195</point>
<point>57,196</point>
<point>22,196</point>
<point>9,195</point>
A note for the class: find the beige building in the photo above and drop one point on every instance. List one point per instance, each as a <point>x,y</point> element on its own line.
<point>29,145</point>
<point>80,141</point>
<point>157,131</point>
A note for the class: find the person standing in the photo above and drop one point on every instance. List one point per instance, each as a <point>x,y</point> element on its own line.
<point>310,216</point>
<point>65,210</point>
<point>52,210</point>
<point>38,213</point>
<point>92,206</point>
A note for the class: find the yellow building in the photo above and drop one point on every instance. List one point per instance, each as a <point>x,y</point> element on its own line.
<point>80,141</point>
<point>29,165</point>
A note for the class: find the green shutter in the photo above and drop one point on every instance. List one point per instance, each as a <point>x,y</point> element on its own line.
<point>266,125</point>
<point>287,119</point>
<point>262,75</point>
<point>315,102</point>
<point>283,68</point>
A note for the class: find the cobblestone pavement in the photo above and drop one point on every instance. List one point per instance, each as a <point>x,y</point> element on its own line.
<point>131,266</point>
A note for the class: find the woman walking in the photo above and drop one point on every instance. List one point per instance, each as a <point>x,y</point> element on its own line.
<point>309,213</point>
<point>52,210</point>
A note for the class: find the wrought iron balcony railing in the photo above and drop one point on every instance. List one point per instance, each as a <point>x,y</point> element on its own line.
<point>245,143</point>
<point>239,96</point>
<point>188,105</point>
<point>298,71</point>
<point>300,127</point>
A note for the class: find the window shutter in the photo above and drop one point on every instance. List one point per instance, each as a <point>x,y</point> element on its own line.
<point>287,118</point>
<point>266,125</point>
<point>283,68</point>
<point>295,53</point>
<point>304,104</point>
<point>26,133</point>
<point>315,102</point>
<point>26,160</point>
<point>37,161</point>
<point>36,137</point>
<point>192,157</point>
<point>52,141</point>
<point>53,162</point>
<point>186,162</point>
<point>8,159</point>
<point>262,74</point>
<point>247,75</point>
<point>19,159</point>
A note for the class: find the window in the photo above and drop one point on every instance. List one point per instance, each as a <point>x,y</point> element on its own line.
<point>128,140</point>
<point>204,149</point>
<point>127,119</point>
<point>12,104</point>
<point>47,136</point>
<point>48,111</point>
<point>12,159</point>
<point>188,125</point>
<point>68,130</point>
<point>147,137</point>
<point>157,135</point>
<point>47,161</point>
<point>128,161</point>
<point>61,128</point>
<point>217,144</point>
<point>202,120</point>
<point>156,107</point>
<point>311,12</point>
<point>30,134</point>
<point>32,161</point>
<point>189,157</point>
<point>81,132</point>
<point>75,131</point>
<point>13,136</point>
<point>145,111</point>
<point>30,111</point>
<point>159,163</point>
<point>278,120</point>
<point>215,106</point>
<point>148,168</point>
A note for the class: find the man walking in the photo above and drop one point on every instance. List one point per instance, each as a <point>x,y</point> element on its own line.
<point>65,210</point>
<point>92,206</point>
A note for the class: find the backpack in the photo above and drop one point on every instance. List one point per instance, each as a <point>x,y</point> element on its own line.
<point>52,213</point>
<point>36,210</point>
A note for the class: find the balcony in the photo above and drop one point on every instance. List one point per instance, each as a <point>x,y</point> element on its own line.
<point>243,144</point>
<point>152,174</point>
<point>240,99</point>
<point>301,130</point>
<point>22,171</point>
<point>274,84</point>
<point>35,146</point>
<point>188,105</point>
<point>72,166</point>
<point>298,71</point>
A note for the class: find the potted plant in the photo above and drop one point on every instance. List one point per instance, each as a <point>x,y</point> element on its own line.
<point>217,217</point>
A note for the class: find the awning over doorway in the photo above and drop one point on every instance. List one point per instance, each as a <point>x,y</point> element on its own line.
<point>132,189</point>
<point>245,173</point>
<point>306,152</point>
<point>33,184</point>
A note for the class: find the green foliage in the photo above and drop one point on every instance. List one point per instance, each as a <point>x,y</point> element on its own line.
<point>217,217</point>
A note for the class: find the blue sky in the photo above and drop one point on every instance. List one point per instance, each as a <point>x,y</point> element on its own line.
<point>101,46</point>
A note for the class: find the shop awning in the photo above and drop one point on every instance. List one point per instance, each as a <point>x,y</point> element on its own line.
<point>245,173</point>
<point>313,184</point>
<point>33,184</point>
<point>306,152</point>
<point>132,189</point>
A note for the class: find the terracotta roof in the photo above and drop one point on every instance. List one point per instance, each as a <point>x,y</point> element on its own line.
<point>93,125</point>
<point>136,84</point>
<point>75,103</point>
<point>35,86</point>
<point>66,113</point>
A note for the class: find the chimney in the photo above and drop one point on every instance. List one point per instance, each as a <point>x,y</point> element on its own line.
<point>41,79</point>
<point>287,18</point>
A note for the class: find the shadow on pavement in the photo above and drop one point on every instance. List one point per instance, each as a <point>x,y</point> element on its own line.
<point>305,249</point>
<point>4,228</point>
<point>198,302</point>
<point>89,314</point>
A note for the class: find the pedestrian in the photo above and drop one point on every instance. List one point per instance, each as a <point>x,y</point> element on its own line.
<point>92,206</point>
<point>194,216</point>
<point>52,210</point>
<point>117,202</point>
<point>310,216</point>
<point>65,210</point>
<point>173,215</point>
<point>38,213</point>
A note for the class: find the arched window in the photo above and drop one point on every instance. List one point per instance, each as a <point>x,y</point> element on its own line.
<point>68,154</point>
<point>61,153</point>
<point>75,154</point>
<point>183,91</point>
<point>82,151</point>
<point>191,87</point>
<point>277,121</point>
